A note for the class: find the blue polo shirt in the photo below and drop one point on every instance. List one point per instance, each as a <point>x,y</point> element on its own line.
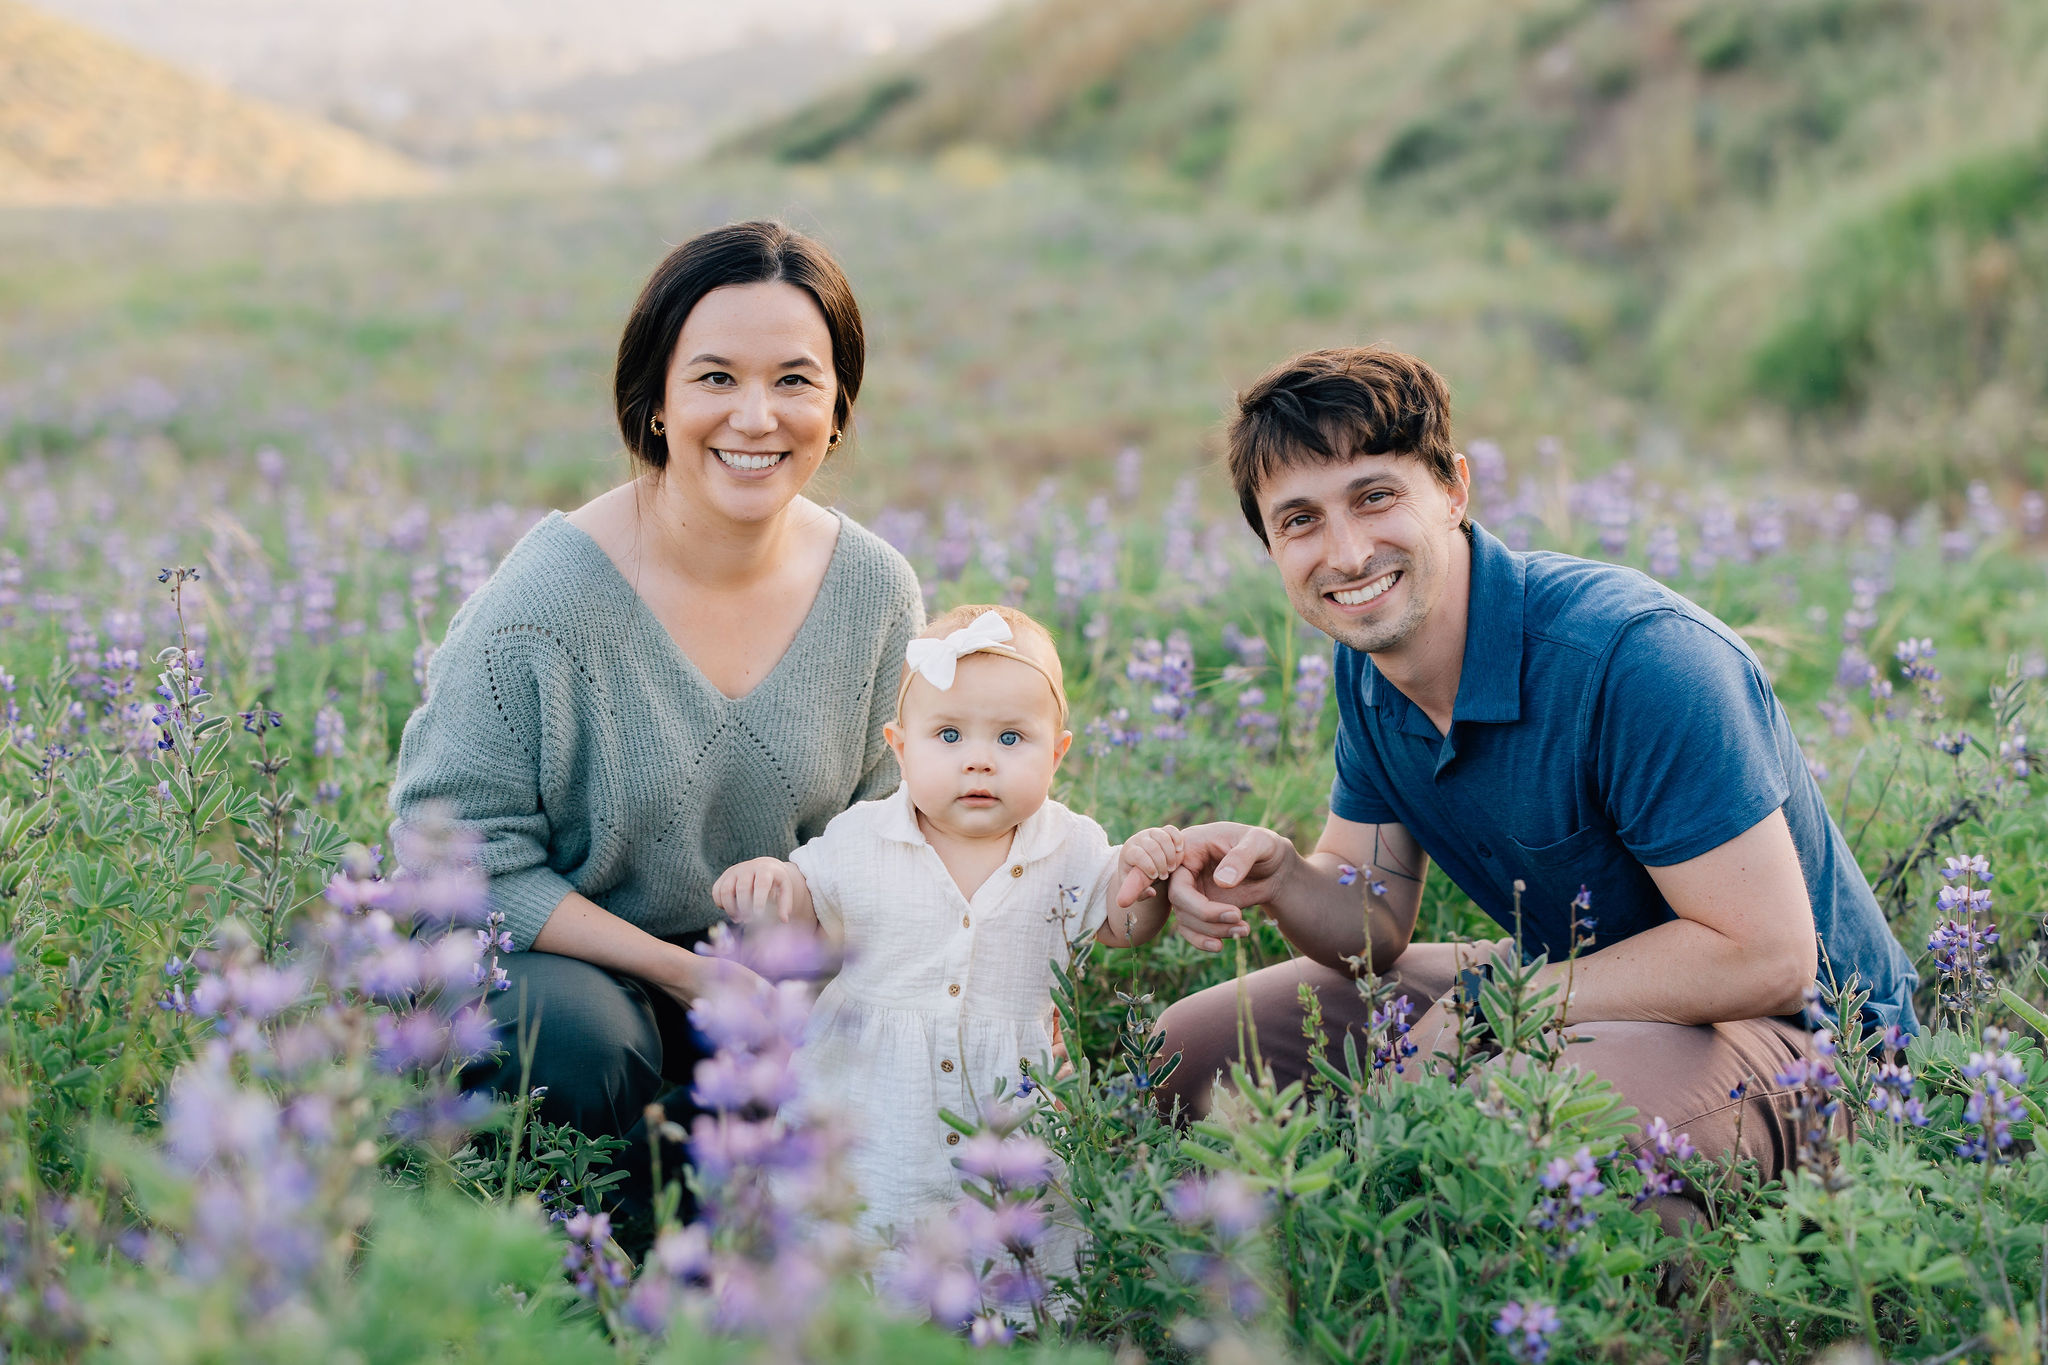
<point>1603,724</point>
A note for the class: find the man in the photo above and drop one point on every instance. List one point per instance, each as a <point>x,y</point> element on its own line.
<point>1538,721</point>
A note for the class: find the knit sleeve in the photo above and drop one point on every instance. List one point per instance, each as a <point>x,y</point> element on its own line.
<point>472,751</point>
<point>879,775</point>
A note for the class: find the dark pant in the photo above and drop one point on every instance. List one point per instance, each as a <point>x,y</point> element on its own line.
<point>1679,1072</point>
<point>605,1046</point>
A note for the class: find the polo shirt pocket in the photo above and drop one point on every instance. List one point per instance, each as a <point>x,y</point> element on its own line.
<point>1580,847</point>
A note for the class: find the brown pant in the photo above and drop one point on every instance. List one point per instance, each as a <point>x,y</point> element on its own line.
<point>1680,1072</point>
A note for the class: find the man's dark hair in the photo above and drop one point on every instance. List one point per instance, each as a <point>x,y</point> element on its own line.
<point>1329,407</point>
<point>740,253</point>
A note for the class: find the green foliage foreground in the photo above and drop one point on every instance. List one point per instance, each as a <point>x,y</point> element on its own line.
<point>162,870</point>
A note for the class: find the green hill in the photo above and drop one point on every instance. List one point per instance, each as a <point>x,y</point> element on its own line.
<point>1831,210</point>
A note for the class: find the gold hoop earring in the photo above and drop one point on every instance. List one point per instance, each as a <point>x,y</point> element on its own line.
<point>833,444</point>
<point>659,429</point>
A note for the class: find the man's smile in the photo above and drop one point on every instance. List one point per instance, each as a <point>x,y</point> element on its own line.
<point>1359,596</point>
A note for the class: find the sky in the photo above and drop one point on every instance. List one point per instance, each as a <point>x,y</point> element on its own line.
<point>315,51</point>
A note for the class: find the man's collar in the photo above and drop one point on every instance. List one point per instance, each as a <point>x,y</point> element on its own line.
<point>1490,675</point>
<point>1490,679</point>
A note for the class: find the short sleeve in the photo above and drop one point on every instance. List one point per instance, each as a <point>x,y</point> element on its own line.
<point>821,861</point>
<point>1684,734</point>
<point>1353,794</point>
<point>1091,863</point>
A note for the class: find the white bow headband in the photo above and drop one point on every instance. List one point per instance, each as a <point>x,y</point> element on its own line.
<point>937,661</point>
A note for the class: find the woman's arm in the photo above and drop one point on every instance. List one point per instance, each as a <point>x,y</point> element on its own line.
<point>471,754</point>
<point>580,928</point>
<point>879,775</point>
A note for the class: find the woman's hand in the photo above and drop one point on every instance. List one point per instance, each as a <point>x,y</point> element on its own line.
<point>693,974</point>
<point>763,888</point>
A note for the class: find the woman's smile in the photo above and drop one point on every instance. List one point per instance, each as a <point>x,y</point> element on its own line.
<point>750,461</point>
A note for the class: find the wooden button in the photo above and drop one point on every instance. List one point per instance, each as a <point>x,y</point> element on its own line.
<point>952,1139</point>
<point>946,1065</point>
<point>1017,870</point>
<point>953,989</point>
<point>963,921</point>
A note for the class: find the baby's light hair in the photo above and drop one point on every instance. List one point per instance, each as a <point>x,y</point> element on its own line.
<point>1029,640</point>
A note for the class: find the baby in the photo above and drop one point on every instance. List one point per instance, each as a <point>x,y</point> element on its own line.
<point>951,898</point>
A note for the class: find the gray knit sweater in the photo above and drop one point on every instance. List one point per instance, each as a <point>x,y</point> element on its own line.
<point>564,726</point>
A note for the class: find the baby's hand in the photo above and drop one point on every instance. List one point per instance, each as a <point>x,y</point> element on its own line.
<point>1152,852</point>
<point>758,889</point>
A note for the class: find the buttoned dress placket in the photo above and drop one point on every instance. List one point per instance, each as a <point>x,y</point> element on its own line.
<point>958,983</point>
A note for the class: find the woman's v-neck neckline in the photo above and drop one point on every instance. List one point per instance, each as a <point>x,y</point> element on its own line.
<point>685,663</point>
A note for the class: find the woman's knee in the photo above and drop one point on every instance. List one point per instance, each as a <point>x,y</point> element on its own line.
<point>582,1033</point>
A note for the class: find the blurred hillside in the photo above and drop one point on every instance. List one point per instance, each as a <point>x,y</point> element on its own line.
<point>527,89</point>
<point>84,120</point>
<point>1826,220</point>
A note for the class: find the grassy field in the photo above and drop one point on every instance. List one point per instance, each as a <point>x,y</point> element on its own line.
<point>228,1137</point>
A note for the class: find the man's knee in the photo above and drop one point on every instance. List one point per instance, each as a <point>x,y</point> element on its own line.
<point>1200,1031</point>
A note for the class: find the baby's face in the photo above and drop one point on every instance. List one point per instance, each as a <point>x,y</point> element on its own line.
<point>979,757</point>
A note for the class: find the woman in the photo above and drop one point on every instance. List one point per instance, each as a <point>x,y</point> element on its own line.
<point>689,671</point>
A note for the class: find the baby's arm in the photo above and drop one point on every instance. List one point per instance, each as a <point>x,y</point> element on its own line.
<point>765,888</point>
<point>1144,863</point>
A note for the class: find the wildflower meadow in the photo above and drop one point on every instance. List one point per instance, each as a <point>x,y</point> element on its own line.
<point>234,1033</point>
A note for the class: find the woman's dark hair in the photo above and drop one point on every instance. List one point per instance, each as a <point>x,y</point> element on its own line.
<point>1330,407</point>
<point>739,253</point>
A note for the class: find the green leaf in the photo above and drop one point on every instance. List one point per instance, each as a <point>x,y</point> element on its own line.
<point>2017,1003</point>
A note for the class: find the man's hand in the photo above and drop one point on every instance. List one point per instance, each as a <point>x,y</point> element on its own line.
<point>760,889</point>
<point>1225,869</point>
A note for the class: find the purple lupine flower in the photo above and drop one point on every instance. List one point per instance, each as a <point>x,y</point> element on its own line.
<point>1655,1159</point>
<point>991,1330</point>
<point>1961,950</point>
<point>935,1273</point>
<point>1233,1212</point>
<point>1005,1162</point>
<point>1964,868</point>
<point>1529,1327</point>
<point>1387,1032</point>
<point>591,1259</point>
<point>1915,660</point>
<point>1893,1096</point>
<point>1661,552</point>
<point>1224,1201</point>
<point>736,1080</point>
<point>1311,688</point>
<point>1997,1079</point>
<point>1566,1210</point>
<point>1816,1086</point>
<point>330,733</point>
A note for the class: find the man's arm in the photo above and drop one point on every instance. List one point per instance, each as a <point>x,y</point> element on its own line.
<point>1742,946</point>
<point>1228,868</point>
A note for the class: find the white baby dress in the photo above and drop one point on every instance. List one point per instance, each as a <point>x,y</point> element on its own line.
<point>942,996</point>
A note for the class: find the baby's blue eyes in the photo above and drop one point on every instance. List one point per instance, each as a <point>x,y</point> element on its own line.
<point>1008,738</point>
